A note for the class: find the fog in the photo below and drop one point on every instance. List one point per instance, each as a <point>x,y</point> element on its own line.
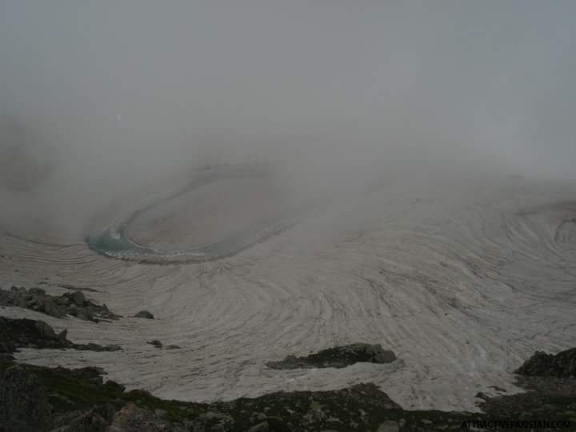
<point>100,98</point>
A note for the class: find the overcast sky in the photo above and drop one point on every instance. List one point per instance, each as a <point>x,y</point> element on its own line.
<point>138,83</point>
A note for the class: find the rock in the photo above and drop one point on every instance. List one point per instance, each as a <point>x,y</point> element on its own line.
<point>82,421</point>
<point>96,347</point>
<point>90,374</point>
<point>74,304</point>
<point>156,343</point>
<point>50,308</point>
<point>18,333</point>
<point>562,364</point>
<point>337,357</point>
<point>37,291</point>
<point>24,402</point>
<point>63,335</point>
<point>85,315</point>
<point>139,393</point>
<point>78,298</point>
<point>173,347</point>
<point>160,413</point>
<point>389,426</point>
<point>144,314</point>
<point>21,302</point>
<point>62,300</point>
<point>114,385</point>
<point>45,330</point>
<point>276,424</point>
<point>213,421</point>
<point>6,358</point>
<point>134,419</point>
<point>6,298</point>
<point>260,427</point>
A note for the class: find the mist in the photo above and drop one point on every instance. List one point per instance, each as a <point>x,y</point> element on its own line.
<point>103,98</point>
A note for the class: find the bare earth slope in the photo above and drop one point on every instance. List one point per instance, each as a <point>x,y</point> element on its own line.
<point>463,278</point>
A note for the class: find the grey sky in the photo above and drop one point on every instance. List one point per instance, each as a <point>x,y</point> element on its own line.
<point>355,80</point>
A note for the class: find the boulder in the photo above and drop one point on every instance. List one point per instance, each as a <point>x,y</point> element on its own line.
<point>561,365</point>
<point>156,343</point>
<point>45,330</point>
<point>48,306</point>
<point>337,357</point>
<point>78,298</point>
<point>144,314</point>
<point>37,291</point>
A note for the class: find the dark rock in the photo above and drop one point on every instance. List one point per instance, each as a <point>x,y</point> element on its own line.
<point>85,315</point>
<point>24,402</point>
<point>114,385</point>
<point>78,298</point>
<point>96,347</point>
<point>25,333</point>
<point>62,301</point>
<point>337,357</point>
<point>270,424</point>
<point>6,358</point>
<point>63,334</point>
<point>213,421</point>
<point>37,291</point>
<point>74,304</point>
<point>144,314</point>
<point>94,419</point>
<point>139,393</point>
<point>562,364</point>
<point>260,427</point>
<point>155,343</point>
<point>389,426</point>
<point>91,374</point>
<point>134,419</point>
<point>160,413</point>
<point>314,411</point>
<point>49,307</point>
<point>173,347</point>
<point>82,421</point>
<point>45,330</point>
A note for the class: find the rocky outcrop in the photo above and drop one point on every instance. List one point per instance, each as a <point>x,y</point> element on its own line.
<point>134,419</point>
<point>338,357</point>
<point>68,304</point>
<point>24,402</point>
<point>26,333</point>
<point>144,314</point>
<point>562,364</point>
<point>95,419</point>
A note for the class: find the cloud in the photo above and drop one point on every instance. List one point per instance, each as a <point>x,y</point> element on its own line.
<point>130,91</point>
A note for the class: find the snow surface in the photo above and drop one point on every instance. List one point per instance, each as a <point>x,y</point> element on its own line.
<point>464,277</point>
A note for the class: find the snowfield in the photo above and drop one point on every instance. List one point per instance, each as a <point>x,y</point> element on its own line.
<point>462,276</point>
